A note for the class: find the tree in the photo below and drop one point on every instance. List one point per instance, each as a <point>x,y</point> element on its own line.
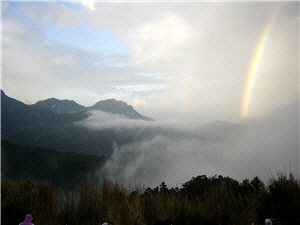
<point>281,200</point>
<point>257,184</point>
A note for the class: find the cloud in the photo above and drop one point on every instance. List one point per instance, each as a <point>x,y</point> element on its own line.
<point>174,152</point>
<point>66,60</point>
<point>35,68</point>
<point>205,67</point>
<point>89,4</point>
<point>100,120</point>
<point>201,50</point>
<point>162,41</point>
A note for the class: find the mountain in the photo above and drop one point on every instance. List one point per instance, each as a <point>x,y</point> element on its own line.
<point>30,125</point>
<point>15,113</point>
<point>118,107</point>
<point>59,106</point>
<point>69,106</point>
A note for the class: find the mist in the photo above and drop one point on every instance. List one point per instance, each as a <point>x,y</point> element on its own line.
<point>177,151</point>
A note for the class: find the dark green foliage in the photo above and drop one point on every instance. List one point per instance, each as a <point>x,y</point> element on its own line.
<point>196,218</point>
<point>253,187</point>
<point>64,169</point>
<point>197,186</point>
<point>87,211</point>
<point>12,212</point>
<point>281,200</point>
<point>186,214</point>
<point>20,197</point>
<point>67,209</point>
<point>257,185</point>
<point>182,215</point>
<point>247,187</point>
<point>114,203</point>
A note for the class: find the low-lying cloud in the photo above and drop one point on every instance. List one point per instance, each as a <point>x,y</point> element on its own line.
<point>178,152</point>
<point>100,120</point>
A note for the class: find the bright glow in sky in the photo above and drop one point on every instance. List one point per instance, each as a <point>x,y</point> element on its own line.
<point>175,60</point>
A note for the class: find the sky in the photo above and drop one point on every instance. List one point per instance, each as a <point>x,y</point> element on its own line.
<point>225,73</point>
<point>195,61</point>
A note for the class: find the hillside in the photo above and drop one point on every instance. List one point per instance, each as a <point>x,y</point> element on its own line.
<point>63,169</point>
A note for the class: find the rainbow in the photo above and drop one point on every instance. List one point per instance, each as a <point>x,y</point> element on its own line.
<point>255,61</point>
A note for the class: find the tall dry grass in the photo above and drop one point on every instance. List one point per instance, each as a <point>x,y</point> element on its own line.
<point>19,197</point>
<point>111,201</point>
<point>219,201</point>
<point>282,199</point>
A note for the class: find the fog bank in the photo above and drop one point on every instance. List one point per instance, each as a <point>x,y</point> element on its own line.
<point>261,147</point>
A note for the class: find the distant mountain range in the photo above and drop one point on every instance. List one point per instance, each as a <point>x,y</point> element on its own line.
<point>50,124</point>
<point>69,106</point>
<point>58,124</point>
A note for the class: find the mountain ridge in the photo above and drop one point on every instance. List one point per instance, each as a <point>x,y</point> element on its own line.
<point>59,106</point>
<point>29,125</point>
<point>67,106</point>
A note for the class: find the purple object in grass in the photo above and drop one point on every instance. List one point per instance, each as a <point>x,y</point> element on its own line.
<point>28,220</point>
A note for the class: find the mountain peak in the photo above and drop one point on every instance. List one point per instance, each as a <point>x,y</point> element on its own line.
<point>111,103</point>
<point>59,106</point>
<point>118,107</point>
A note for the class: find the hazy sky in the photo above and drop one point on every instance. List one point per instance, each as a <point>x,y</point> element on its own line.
<point>170,60</point>
<point>180,63</point>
